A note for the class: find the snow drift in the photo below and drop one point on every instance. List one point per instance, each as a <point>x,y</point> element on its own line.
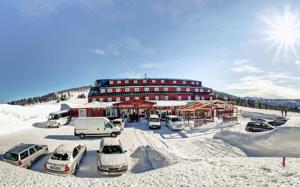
<point>14,118</point>
<point>283,141</point>
<point>150,158</point>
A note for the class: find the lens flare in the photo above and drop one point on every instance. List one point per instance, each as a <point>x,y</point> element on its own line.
<point>282,30</point>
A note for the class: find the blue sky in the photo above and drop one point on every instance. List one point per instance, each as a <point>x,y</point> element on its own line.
<point>49,45</point>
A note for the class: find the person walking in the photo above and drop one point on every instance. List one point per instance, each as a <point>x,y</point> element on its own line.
<point>285,112</point>
<point>282,112</point>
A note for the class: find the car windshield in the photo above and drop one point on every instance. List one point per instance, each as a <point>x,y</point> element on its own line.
<point>116,122</point>
<point>58,156</point>
<point>53,116</point>
<point>112,149</point>
<point>154,120</point>
<point>176,119</point>
<point>11,156</point>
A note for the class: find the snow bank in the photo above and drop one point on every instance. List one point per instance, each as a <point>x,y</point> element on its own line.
<point>14,118</point>
<point>248,114</point>
<point>150,158</point>
<point>283,141</point>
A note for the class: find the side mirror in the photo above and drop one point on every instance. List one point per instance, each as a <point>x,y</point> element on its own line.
<point>98,151</point>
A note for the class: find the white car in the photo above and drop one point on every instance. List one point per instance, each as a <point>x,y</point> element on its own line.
<point>154,121</point>
<point>119,123</point>
<point>111,157</point>
<point>56,119</point>
<point>175,122</point>
<point>65,159</point>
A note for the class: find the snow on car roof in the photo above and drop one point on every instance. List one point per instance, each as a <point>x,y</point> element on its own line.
<point>65,148</point>
<point>111,141</point>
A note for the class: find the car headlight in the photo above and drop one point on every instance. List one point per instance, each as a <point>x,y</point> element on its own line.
<point>123,167</point>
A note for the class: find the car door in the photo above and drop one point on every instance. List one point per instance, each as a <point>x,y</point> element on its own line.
<point>76,156</point>
<point>107,129</point>
<point>33,154</point>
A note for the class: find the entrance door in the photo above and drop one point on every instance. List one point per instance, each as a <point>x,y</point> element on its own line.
<point>82,113</point>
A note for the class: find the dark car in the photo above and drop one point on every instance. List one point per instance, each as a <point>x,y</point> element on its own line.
<point>277,122</point>
<point>258,127</point>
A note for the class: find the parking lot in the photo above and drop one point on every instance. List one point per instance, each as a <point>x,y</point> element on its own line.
<point>136,138</point>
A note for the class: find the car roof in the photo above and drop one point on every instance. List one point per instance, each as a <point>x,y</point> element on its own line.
<point>20,148</point>
<point>172,116</point>
<point>111,141</point>
<point>65,148</point>
<point>59,112</point>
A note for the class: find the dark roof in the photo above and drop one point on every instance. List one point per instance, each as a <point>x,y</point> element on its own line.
<point>19,148</point>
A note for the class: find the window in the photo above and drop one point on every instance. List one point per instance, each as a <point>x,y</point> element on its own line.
<point>144,81</point>
<point>196,90</point>
<point>179,98</point>
<point>146,89</point>
<point>197,83</point>
<point>146,98</point>
<point>166,97</point>
<point>178,89</point>
<point>108,125</point>
<point>109,99</point>
<point>118,90</point>
<point>126,81</point>
<point>187,89</point>
<point>111,82</point>
<point>202,98</point>
<point>101,100</point>
<point>201,90</point>
<point>197,98</point>
<point>136,89</point>
<point>37,147</point>
<point>81,113</point>
<point>156,98</point>
<point>183,82</point>
<point>94,99</point>
<point>24,155</point>
<point>174,82</point>
<point>109,90</point>
<point>189,98</point>
<point>127,89</point>
<point>153,81</point>
<point>193,82</point>
<point>162,81</point>
<point>102,90</point>
<point>32,151</point>
<point>118,82</point>
<point>166,89</point>
<point>75,152</point>
<point>156,89</point>
<point>137,98</point>
<point>118,99</point>
<point>135,81</point>
<point>127,99</point>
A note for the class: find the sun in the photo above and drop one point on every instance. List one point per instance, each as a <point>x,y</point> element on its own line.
<point>282,30</point>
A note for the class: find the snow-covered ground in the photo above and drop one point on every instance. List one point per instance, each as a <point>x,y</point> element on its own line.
<point>212,155</point>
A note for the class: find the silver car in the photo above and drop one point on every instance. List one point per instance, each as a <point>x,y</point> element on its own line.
<point>25,155</point>
<point>111,157</point>
<point>66,159</point>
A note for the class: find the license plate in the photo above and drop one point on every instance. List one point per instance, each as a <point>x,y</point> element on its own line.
<point>55,168</point>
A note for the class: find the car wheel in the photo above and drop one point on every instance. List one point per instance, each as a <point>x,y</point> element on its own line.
<point>29,165</point>
<point>82,136</point>
<point>76,169</point>
<point>58,125</point>
<point>113,135</point>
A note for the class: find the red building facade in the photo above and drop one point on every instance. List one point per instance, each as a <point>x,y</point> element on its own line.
<point>118,90</point>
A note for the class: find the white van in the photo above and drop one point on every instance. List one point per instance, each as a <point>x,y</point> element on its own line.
<point>59,118</point>
<point>154,121</point>
<point>175,122</point>
<point>95,126</point>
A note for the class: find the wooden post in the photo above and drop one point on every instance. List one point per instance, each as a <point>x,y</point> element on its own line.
<point>283,161</point>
